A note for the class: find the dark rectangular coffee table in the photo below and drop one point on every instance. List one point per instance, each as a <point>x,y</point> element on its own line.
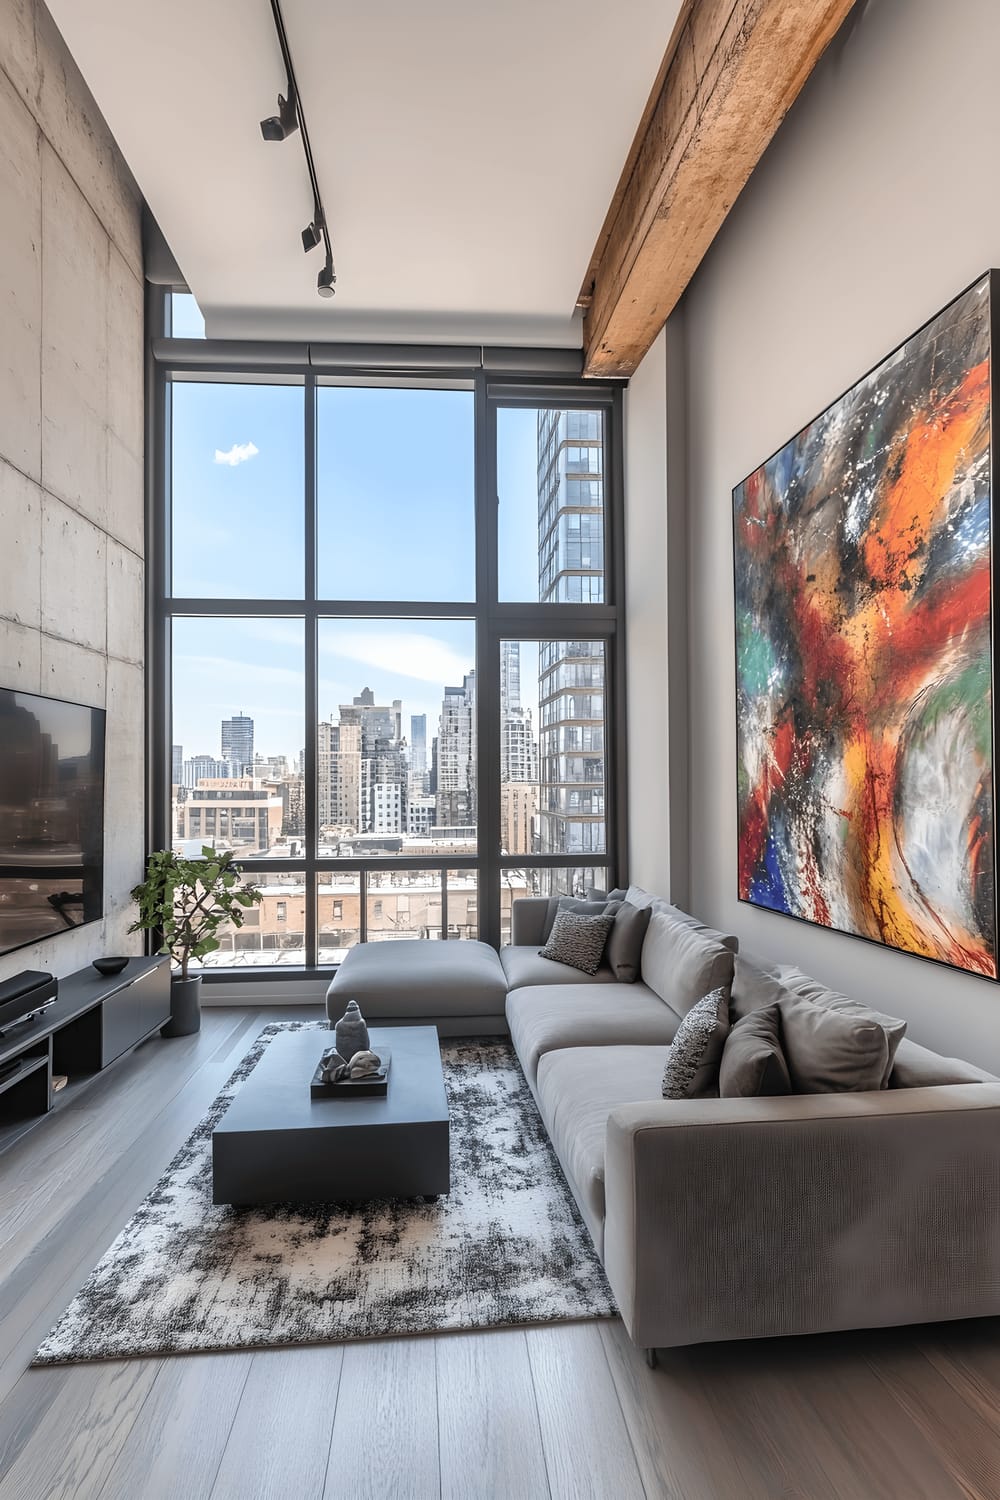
<point>275,1144</point>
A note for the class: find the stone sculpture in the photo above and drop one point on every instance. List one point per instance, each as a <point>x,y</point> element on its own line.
<point>351,1032</point>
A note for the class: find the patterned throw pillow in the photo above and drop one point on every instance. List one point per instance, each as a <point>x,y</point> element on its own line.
<point>695,1053</point>
<point>578,941</point>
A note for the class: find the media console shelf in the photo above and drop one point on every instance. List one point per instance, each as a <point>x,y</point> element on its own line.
<point>95,1020</point>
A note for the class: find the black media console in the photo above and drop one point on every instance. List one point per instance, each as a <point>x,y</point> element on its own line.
<point>95,1020</point>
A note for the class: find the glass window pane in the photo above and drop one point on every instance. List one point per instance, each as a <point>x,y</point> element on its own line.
<point>339,914</point>
<point>404,904</point>
<point>396,486</point>
<point>396,740</point>
<point>463,904</point>
<point>552,738</point>
<point>239,728</point>
<point>571,881</point>
<point>186,321</point>
<point>273,932</point>
<point>550,485</point>
<point>237,491</point>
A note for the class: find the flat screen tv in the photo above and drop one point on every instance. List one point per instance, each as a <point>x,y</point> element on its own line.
<point>51,817</point>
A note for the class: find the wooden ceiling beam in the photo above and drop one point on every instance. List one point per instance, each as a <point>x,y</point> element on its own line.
<point>732,71</point>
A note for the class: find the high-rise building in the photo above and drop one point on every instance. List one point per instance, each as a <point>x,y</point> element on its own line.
<point>418,745</point>
<point>571,673</point>
<point>456,756</point>
<point>510,677</point>
<point>383,788</point>
<point>338,776</point>
<point>237,742</point>
<point>204,768</point>
<point>177,765</point>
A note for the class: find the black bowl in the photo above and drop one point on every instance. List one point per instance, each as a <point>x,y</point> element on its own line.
<point>110,965</point>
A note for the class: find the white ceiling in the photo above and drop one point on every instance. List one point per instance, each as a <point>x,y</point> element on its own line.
<point>467,151</point>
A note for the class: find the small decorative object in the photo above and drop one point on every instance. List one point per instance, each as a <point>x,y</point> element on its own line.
<point>59,1081</point>
<point>186,901</point>
<point>332,1065</point>
<point>865,620</point>
<point>351,1032</point>
<point>364,1065</point>
<point>366,1076</point>
<point>109,965</point>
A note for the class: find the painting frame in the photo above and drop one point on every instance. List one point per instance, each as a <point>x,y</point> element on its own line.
<point>986,965</point>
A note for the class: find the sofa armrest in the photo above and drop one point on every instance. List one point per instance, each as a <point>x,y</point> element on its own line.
<point>527,921</point>
<point>744,1218</point>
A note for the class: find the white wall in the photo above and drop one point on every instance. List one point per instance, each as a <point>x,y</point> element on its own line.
<point>71,435</point>
<point>875,204</point>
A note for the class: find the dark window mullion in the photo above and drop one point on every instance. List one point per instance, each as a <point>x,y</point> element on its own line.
<point>310,789</point>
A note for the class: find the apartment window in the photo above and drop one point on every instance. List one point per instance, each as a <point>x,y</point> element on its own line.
<point>386,643</point>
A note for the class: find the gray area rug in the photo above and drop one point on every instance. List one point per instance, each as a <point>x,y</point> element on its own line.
<point>505,1247</point>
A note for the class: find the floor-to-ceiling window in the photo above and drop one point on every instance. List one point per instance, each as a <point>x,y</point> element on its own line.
<point>386,659</point>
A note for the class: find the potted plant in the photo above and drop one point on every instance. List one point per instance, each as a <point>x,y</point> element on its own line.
<point>186,901</point>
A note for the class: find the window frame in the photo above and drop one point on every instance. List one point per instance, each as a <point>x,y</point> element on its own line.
<point>498,379</point>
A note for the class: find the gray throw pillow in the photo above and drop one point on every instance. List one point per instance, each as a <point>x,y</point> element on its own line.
<point>574,904</point>
<point>596,894</point>
<point>754,985</point>
<point>831,1051</point>
<point>810,989</point>
<point>624,951</point>
<point>753,1064</point>
<point>917,1067</point>
<point>693,1057</point>
<point>578,940</point>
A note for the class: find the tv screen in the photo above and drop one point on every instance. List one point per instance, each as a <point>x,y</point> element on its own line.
<point>51,817</point>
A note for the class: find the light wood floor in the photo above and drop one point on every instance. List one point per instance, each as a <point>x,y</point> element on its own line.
<point>568,1411</point>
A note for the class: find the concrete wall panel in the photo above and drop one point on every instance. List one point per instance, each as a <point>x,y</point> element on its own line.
<point>20,284</point>
<point>71,416</point>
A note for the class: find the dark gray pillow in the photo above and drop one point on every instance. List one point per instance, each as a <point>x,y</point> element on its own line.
<point>692,1065</point>
<point>578,940</point>
<point>624,950</point>
<point>753,1064</point>
<point>831,1051</point>
<point>574,904</point>
<point>811,989</point>
<point>596,894</point>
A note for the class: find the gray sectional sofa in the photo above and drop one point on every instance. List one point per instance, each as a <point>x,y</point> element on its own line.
<point>722,1218</point>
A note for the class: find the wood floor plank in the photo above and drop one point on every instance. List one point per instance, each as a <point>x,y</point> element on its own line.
<point>385,1434</point>
<point>279,1443</point>
<point>682,1449</point>
<point>80,1434</point>
<point>952,1424</point>
<point>176,1446</point>
<point>588,1457</point>
<point>490,1440</point>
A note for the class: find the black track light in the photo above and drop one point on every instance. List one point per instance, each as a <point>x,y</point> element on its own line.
<point>326,278</point>
<point>312,235</point>
<point>280,126</point>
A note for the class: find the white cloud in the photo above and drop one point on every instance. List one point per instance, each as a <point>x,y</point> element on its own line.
<point>421,658</point>
<point>237,454</point>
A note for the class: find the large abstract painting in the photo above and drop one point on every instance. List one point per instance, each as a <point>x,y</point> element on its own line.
<point>864,656</point>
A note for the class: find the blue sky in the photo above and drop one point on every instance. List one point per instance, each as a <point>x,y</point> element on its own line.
<point>396,511</point>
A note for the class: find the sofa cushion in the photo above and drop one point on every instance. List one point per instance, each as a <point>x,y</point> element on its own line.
<point>755,985</point>
<point>573,904</point>
<point>831,1051</point>
<point>682,962</point>
<point>545,1018</point>
<point>577,1090</point>
<point>753,1063</point>
<point>413,978</point>
<point>810,989</point>
<point>525,966</point>
<point>636,896</point>
<point>578,940</point>
<point>916,1067</point>
<point>693,1057</point>
<point>624,950</point>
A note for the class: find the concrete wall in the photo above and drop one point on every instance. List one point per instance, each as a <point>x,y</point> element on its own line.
<point>872,208</point>
<point>71,435</point>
